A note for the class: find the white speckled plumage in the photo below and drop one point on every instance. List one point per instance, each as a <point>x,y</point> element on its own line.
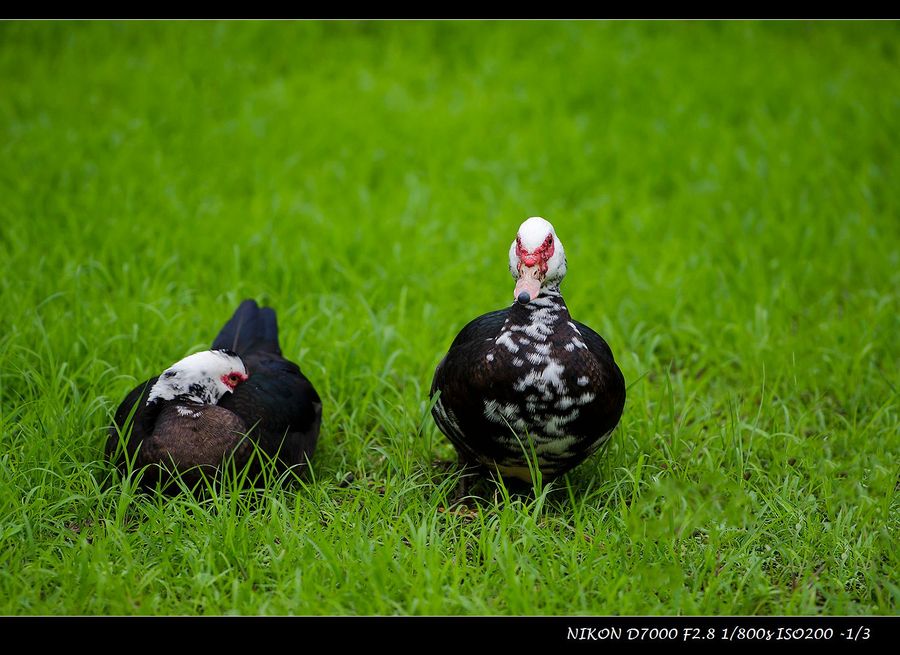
<point>546,375</point>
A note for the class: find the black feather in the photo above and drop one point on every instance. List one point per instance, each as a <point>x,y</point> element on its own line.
<point>250,329</point>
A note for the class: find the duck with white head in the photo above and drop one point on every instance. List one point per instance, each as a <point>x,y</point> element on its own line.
<point>536,259</point>
<point>527,387</point>
<point>217,407</point>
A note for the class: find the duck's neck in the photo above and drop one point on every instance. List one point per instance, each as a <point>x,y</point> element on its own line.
<point>540,316</point>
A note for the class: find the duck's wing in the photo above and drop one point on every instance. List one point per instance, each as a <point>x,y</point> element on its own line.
<point>484,327</point>
<point>455,372</point>
<point>277,401</point>
<point>613,380</point>
<point>281,405</point>
<point>132,424</point>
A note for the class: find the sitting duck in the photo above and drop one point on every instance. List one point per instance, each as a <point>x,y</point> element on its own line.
<point>215,408</point>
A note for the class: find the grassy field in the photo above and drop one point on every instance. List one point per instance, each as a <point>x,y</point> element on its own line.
<point>729,199</point>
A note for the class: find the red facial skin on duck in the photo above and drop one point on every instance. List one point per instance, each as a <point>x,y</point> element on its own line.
<point>233,379</point>
<point>532,267</point>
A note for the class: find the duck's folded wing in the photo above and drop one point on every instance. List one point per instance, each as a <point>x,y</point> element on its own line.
<point>281,408</point>
<point>613,380</point>
<point>486,326</point>
<point>129,426</point>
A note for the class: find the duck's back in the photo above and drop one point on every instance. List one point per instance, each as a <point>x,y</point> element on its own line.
<point>277,401</point>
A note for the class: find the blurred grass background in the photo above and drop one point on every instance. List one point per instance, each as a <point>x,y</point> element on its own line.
<point>727,193</point>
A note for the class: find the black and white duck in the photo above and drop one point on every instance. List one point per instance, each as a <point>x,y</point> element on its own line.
<point>528,384</point>
<point>217,406</point>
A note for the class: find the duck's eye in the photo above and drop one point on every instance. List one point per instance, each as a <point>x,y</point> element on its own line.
<point>234,377</point>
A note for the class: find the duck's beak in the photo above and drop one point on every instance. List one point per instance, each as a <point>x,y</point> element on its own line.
<point>528,286</point>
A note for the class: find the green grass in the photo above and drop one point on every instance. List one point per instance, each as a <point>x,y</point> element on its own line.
<point>729,199</point>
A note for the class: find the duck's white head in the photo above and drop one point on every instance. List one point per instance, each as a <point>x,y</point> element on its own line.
<point>536,259</point>
<point>203,377</point>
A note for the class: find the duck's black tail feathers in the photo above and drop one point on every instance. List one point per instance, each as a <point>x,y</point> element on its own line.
<point>251,329</point>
